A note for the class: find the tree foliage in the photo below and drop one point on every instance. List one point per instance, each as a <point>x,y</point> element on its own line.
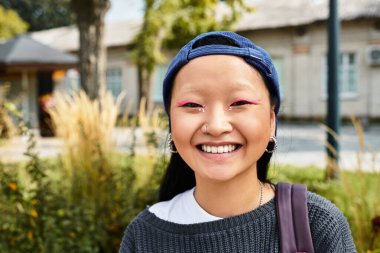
<point>202,16</point>
<point>169,24</point>
<point>42,14</point>
<point>10,24</point>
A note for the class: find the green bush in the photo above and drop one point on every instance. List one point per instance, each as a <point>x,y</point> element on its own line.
<point>355,194</point>
<point>39,213</point>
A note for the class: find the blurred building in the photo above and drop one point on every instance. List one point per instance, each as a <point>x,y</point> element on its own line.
<point>295,34</point>
<point>32,70</point>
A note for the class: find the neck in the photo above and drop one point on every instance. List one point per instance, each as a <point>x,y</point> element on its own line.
<point>229,198</point>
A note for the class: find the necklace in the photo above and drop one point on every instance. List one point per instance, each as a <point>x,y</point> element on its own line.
<point>261,194</point>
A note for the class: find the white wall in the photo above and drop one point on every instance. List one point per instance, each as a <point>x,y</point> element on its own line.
<point>303,56</point>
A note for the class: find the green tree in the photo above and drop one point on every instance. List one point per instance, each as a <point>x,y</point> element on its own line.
<point>10,24</point>
<point>42,14</point>
<point>90,16</point>
<point>169,24</point>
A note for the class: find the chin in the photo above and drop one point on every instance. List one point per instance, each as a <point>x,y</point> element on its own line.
<point>220,176</point>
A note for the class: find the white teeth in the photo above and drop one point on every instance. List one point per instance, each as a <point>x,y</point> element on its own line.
<point>218,149</point>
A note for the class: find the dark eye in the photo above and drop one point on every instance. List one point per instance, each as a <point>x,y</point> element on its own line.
<point>245,102</point>
<point>240,102</point>
<point>191,105</point>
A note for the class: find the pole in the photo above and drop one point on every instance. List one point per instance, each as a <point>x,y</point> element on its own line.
<point>333,114</point>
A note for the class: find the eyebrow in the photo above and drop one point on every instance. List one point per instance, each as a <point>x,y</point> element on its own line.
<point>190,88</point>
<point>242,86</point>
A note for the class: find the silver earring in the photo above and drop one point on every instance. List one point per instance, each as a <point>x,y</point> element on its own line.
<point>272,144</point>
<point>171,145</point>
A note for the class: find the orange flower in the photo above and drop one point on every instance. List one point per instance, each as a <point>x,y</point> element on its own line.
<point>34,213</point>
<point>13,186</point>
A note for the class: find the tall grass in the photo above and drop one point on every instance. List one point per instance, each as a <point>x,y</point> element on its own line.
<point>86,127</point>
<point>96,177</point>
<point>95,181</point>
<point>358,192</point>
<point>363,200</point>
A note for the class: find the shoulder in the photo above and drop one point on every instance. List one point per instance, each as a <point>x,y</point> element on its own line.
<point>132,230</point>
<point>322,208</point>
<point>329,227</point>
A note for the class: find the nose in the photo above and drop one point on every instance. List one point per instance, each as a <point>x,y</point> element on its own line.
<point>218,121</point>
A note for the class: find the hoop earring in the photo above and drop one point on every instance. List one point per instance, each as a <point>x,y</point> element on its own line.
<point>272,144</point>
<point>171,144</point>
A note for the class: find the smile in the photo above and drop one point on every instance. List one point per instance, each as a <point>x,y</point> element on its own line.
<point>219,149</point>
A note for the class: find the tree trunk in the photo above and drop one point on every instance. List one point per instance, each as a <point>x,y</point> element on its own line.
<point>145,88</point>
<point>92,51</point>
<point>145,71</point>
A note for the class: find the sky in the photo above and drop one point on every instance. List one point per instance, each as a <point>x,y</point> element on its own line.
<point>125,10</point>
<point>130,9</point>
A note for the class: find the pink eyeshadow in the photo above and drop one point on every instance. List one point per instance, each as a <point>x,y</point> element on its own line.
<point>184,102</point>
<point>254,101</point>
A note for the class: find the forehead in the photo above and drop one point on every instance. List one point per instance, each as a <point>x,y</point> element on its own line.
<point>218,72</point>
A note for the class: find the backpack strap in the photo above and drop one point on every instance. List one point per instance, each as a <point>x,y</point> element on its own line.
<point>293,218</point>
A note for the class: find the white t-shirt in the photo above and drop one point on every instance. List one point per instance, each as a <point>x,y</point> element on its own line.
<point>182,209</point>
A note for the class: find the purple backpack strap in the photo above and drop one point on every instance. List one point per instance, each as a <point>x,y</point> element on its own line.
<point>293,219</point>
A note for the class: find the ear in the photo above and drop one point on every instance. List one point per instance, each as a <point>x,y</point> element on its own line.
<point>273,123</point>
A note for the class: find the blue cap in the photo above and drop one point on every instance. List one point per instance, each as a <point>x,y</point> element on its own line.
<point>251,53</point>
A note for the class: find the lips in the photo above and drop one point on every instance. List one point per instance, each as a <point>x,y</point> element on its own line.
<point>219,149</point>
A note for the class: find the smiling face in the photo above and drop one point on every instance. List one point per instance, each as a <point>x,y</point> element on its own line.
<point>221,117</point>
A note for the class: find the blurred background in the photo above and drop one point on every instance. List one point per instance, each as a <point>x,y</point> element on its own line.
<point>83,132</point>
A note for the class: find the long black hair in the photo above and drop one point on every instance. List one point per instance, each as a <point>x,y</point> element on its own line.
<point>179,177</point>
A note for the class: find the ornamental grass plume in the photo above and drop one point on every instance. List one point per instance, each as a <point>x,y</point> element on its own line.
<point>86,127</point>
<point>94,184</point>
<point>81,121</point>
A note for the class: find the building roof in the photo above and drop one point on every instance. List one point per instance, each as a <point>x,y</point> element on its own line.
<point>285,13</point>
<point>23,50</point>
<point>118,33</point>
<point>267,15</point>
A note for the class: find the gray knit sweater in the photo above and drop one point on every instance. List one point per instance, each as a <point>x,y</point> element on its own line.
<point>255,231</point>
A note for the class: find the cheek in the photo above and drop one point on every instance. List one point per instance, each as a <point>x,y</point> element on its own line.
<point>257,125</point>
<point>182,126</point>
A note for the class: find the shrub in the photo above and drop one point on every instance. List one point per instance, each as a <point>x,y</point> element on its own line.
<point>81,201</point>
<point>7,127</point>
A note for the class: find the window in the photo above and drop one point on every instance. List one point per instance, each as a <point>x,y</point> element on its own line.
<point>158,81</point>
<point>348,75</point>
<point>114,77</point>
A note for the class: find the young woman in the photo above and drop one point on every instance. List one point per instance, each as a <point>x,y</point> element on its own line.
<point>222,97</point>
